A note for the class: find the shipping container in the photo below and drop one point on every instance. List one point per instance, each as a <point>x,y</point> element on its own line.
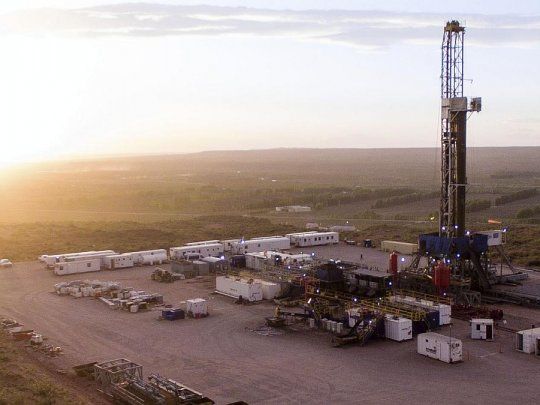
<point>236,287</point>
<point>482,329</point>
<point>526,340</point>
<point>440,347</point>
<point>211,249</point>
<point>81,266</point>
<point>398,329</point>
<point>312,238</point>
<point>261,244</point>
<point>119,261</point>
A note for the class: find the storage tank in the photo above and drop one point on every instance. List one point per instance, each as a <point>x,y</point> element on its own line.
<point>393,264</point>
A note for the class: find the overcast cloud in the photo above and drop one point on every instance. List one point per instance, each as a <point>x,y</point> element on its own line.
<point>361,29</point>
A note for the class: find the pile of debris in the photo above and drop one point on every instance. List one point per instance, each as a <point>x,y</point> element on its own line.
<point>111,293</point>
<point>87,288</point>
<point>165,276</point>
<point>35,340</point>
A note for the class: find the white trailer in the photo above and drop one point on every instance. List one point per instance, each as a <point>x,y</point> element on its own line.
<point>304,239</point>
<point>151,257</point>
<point>269,290</point>
<point>259,260</point>
<point>526,340</point>
<point>122,261</point>
<point>51,260</point>
<point>482,329</point>
<point>203,242</point>
<point>261,244</point>
<point>397,328</point>
<point>212,249</point>
<point>235,287</point>
<point>79,266</point>
<point>440,347</point>
<point>228,243</point>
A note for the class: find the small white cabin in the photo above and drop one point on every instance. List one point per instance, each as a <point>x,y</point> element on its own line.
<point>482,329</point>
<point>119,261</point>
<point>304,239</point>
<point>79,266</point>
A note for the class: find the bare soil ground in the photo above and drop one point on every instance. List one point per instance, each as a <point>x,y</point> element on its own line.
<point>222,357</point>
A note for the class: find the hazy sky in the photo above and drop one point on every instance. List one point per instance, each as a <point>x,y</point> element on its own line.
<point>107,77</point>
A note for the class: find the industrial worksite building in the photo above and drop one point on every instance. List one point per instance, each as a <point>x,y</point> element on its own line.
<point>261,244</point>
<point>313,238</point>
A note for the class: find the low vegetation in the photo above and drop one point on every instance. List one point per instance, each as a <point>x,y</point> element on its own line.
<point>516,196</point>
<point>477,205</point>
<point>27,241</point>
<point>404,199</point>
<point>23,383</point>
<point>528,212</point>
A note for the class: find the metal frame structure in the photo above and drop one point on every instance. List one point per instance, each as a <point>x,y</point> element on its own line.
<point>116,371</point>
<point>453,133</point>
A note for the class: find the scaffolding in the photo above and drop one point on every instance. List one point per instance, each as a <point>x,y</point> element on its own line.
<point>116,371</point>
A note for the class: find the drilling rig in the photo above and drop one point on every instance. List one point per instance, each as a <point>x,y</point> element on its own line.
<point>454,260</point>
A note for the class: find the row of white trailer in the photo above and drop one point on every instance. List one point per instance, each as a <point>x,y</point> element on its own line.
<point>85,262</point>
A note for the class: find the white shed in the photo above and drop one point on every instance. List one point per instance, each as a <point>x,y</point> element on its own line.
<point>197,307</point>
<point>527,339</point>
<point>482,329</point>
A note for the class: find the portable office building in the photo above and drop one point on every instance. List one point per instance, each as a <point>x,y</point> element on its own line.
<point>261,244</point>
<point>304,239</point>
<point>211,249</point>
<point>80,266</point>
<point>526,340</point>
<point>482,329</point>
<point>235,287</point>
<point>440,347</point>
<point>151,257</point>
<point>119,261</point>
<point>397,328</point>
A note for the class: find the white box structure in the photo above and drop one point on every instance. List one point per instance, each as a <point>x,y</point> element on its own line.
<point>149,257</point>
<point>259,260</point>
<point>122,261</point>
<point>482,329</point>
<point>236,287</point>
<point>440,347</point>
<point>312,238</point>
<point>228,244</point>
<point>197,307</point>
<point>269,290</point>
<point>80,266</point>
<point>261,244</point>
<point>526,340</point>
<point>445,310</point>
<point>203,242</point>
<point>210,249</point>
<point>397,328</point>
<point>51,260</point>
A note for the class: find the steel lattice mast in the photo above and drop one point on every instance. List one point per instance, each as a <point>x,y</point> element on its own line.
<point>454,108</point>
